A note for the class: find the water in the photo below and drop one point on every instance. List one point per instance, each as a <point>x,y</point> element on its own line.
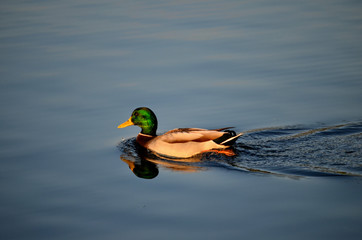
<point>287,74</point>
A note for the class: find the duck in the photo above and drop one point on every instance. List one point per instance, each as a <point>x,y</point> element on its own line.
<point>179,142</point>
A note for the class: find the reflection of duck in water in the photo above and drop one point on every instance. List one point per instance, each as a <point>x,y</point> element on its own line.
<point>142,169</point>
<point>144,164</point>
<point>180,142</point>
<point>148,168</point>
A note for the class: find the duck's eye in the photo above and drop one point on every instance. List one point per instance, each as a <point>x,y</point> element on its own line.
<point>136,114</point>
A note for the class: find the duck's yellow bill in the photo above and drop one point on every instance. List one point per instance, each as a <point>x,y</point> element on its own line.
<point>126,124</point>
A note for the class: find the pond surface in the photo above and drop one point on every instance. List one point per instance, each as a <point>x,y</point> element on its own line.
<point>287,74</point>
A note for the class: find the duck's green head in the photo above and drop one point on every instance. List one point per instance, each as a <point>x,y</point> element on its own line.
<point>144,118</point>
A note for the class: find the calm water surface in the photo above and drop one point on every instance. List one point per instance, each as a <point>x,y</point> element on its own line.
<point>287,74</point>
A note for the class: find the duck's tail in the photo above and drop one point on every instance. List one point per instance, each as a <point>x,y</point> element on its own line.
<point>228,138</point>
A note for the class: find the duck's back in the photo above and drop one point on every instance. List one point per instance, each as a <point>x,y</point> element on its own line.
<point>185,142</point>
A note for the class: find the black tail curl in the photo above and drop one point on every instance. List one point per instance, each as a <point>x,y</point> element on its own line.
<point>223,140</point>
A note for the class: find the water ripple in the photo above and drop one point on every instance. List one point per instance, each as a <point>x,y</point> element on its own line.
<point>292,151</point>
<point>323,150</point>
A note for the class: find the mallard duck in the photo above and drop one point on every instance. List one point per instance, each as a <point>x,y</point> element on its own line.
<point>179,142</point>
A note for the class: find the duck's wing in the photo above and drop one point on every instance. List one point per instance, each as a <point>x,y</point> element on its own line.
<point>187,142</point>
<point>182,135</point>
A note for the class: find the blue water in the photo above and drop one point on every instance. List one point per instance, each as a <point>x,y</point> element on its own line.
<point>287,74</point>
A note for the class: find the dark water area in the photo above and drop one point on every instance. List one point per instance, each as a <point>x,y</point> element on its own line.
<point>286,74</point>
